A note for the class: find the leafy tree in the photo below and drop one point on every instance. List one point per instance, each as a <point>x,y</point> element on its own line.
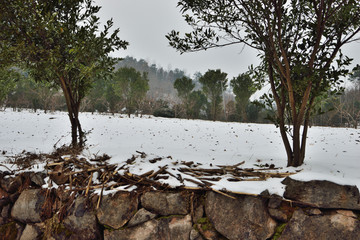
<point>97,96</point>
<point>43,94</point>
<point>8,53</point>
<point>112,99</point>
<point>214,82</point>
<point>8,78</point>
<point>243,87</point>
<point>349,107</point>
<point>197,103</point>
<point>355,76</point>
<point>60,42</point>
<point>298,42</point>
<point>328,113</point>
<point>254,111</point>
<point>131,86</point>
<point>184,87</point>
<point>349,104</point>
<point>160,81</point>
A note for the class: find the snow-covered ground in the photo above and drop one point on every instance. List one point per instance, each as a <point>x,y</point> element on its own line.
<point>332,153</point>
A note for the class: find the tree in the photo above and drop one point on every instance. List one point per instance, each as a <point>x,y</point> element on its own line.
<point>298,42</point>
<point>97,96</point>
<point>214,82</point>
<point>355,76</point>
<point>60,41</point>
<point>131,86</point>
<point>184,87</point>
<point>349,105</point>
<point>112,99</point>
<point>198,102</point>
<point>243,87</point>
<point>8,78</point>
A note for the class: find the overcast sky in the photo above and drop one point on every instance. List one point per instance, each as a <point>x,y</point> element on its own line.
<point>144,24</point>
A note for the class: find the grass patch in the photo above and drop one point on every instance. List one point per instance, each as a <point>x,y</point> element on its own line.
<point>279,230</point>
<point>204,223</point>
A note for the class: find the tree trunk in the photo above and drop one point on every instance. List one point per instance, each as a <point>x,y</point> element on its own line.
<point>286,142</point>
<point>76,107</point>
<point>73,112</point>
<point>214,103</point>
<point>297,158</point>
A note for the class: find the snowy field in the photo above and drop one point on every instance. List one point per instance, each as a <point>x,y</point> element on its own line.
<point>332,153</point>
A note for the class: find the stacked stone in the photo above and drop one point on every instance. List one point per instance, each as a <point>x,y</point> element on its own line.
<point>308,210</point>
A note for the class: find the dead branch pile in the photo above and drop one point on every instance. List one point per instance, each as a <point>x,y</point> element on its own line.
<point>232,173</point>
<point>82,175</point>
<point>76,174</point>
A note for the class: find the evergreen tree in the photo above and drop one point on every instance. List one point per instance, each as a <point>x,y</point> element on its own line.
<point>214,83</point>
<point>184,87</point>
<point>131,86</point>
<point>243,87</point>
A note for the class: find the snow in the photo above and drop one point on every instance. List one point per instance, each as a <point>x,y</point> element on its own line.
<point>332,153</point>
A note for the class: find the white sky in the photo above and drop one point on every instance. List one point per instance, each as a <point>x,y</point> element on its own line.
<point>144,24</point>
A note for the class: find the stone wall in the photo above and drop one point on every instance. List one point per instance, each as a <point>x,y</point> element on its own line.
<point>308,210</point>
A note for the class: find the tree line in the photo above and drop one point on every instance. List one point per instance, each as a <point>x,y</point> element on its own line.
<point>209,96</point>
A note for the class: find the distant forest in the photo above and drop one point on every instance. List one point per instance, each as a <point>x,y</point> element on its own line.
<point>28,93</point>
<point>157,95</point>
<point>161,81</point>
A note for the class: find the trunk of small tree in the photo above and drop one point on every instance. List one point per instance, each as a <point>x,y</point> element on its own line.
<point>296,152</point>
<point>77,135</point>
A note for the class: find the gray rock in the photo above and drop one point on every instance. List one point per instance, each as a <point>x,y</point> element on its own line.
<point>178,228</point>
<point>11,185</point>
<point>346,213</point>
<point>175,228</point>
<point>145,231</point>
<point>275,202</point>
<point>3,194</point>
<point>27,207</point>
<point>313,211</point>
<point>323,194</point>
<point>198,213</point>
<point>115,211</point>
<point>278,215</point>
<point>194,234</point>
<point>4,202</point>
<point>245,217</point>
<point>166,203</point>
<point>328,227</point>
<point>5,214</point>
<point>81,222</point>
<point>38,178</point>
<point>31,232</point>
<point>141,216</point>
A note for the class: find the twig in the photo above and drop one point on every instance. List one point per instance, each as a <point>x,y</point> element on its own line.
<point>6,167</point>
<point>231,166</point>
<point>88,186</point>
<point>100,196</point>
<point>227,195</point>
<point>196,182</point>
<point>158,171</point>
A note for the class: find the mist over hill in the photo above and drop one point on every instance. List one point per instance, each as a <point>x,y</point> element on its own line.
<point>160,80</point>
